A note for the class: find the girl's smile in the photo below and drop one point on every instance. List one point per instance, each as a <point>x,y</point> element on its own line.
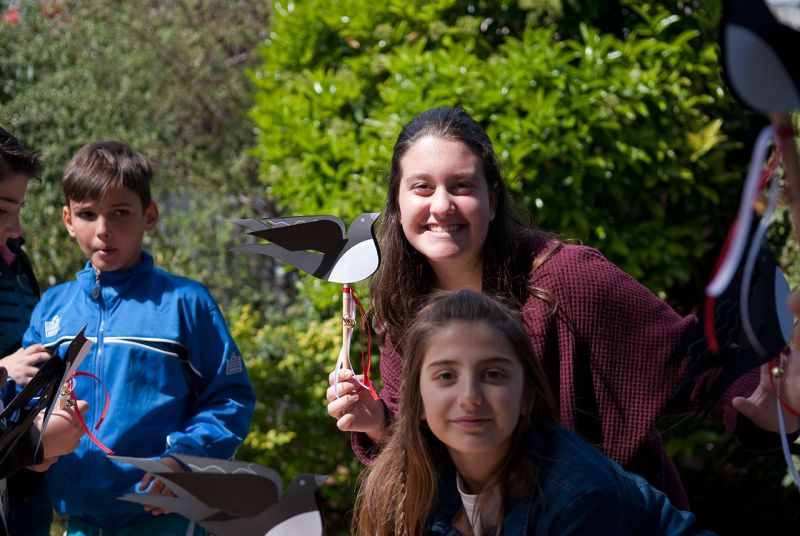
<point>445,206</point>
<point>471,386</point>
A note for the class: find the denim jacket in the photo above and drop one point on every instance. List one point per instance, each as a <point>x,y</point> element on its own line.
<point>580,491</point>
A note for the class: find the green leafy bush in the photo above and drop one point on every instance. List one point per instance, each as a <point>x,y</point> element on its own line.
<point>170,80</point>
<point>618,142</point>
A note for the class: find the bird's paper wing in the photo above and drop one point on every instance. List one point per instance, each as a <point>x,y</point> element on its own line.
<point>76,351</point>
<point>295,220</point>
<point>175,504</point>
<point>166,475</point>
<point>148,465</point>
<point>309,262</point>
<point>17,418</point>
<point>183,503</point>
<point>188,507</point>
<point>42,389</point>
<point>242,494</point>
<point>252,224</point>
<point>214,465</point>
<point>325,234</point>
<point>759,58</point>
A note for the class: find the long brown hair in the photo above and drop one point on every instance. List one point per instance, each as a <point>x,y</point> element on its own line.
<point>398,493</point>
<point>507,251</point>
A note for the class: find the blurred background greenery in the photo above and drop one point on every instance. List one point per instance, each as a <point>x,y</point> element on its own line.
<point>611,119</point>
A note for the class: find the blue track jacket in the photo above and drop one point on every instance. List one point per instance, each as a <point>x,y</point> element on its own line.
<point>176,381</point>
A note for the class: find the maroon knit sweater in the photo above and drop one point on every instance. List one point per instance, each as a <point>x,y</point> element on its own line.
<point>608,349</point>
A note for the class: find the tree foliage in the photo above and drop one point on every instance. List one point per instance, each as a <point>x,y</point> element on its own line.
<point>168,77</point>
<point>614,140</point>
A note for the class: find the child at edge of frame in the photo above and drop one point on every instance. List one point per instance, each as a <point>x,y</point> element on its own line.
<point>25,507</point>
<point>175,379</point>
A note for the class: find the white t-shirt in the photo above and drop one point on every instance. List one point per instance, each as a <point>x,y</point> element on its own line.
<point>470,503</point>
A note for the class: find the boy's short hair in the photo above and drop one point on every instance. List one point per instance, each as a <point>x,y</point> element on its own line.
<point>102,165</point>
<point>17,159</point>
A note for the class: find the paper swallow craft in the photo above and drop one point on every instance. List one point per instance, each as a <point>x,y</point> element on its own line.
<point>318,245</point>
<point>760,57</point>
<point>40,394</point>
<point>230,498</point>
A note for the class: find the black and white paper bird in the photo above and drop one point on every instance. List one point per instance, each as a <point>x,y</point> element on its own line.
<point>318,245</point>
<point>760,55</point>
<point>40,394</point>
<point>230,498</point>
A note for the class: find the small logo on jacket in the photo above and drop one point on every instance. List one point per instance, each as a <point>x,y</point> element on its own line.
<point>51,327</point>
<point>234,365</point>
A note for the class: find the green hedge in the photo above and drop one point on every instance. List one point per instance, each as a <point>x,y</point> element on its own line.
<point>618,142</point>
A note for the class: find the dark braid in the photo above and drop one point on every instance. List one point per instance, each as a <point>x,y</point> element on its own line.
<point>400,520</point>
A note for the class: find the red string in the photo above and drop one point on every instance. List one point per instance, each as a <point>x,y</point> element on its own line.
<point>102,416</point>
<point>366,360</point>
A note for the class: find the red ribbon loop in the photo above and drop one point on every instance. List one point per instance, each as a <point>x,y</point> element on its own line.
<point>366,359</point>
<point>102,416</point>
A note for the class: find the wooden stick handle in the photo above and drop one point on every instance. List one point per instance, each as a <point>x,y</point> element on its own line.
<point>348,322</point>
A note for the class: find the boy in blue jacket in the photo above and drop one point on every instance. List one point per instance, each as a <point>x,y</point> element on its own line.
<point>175,379</point>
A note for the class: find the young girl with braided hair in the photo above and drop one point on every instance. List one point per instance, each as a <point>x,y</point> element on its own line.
<point>475,448</point>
